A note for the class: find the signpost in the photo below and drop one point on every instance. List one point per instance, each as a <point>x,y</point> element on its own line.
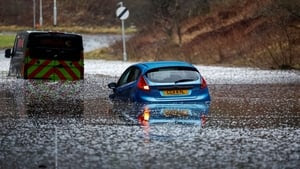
<point>34,15</point>
<point>41,12</point>
<point>123,13</point>
<point>54,13</point>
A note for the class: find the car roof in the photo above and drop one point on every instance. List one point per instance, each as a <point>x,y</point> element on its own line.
<point>161,64</point>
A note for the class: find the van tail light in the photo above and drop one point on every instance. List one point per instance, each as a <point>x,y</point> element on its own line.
<point>81,55</point>
<point>142,84</point>
<point>27,53</point>
<point>203,83</point>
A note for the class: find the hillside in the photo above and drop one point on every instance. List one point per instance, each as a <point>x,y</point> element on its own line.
<point>263,33</point>
<point>69,12</point>
<point>87,13</point>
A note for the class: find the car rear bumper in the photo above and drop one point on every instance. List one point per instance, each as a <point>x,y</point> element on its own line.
<point>193,99</point>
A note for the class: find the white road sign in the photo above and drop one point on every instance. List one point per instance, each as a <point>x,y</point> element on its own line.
<point>122,13</point>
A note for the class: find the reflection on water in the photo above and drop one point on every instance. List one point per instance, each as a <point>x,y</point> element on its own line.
<point>155,118</point>
<point>44,98</point>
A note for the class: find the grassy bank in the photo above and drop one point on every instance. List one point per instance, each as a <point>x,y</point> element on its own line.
<point>104,53</point>
<point>6,41</point>
<point>76,29</point>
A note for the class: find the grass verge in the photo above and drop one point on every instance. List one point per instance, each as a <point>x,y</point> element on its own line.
<point>77,29</point>
<point>104,53</point>
<point>6,41</point>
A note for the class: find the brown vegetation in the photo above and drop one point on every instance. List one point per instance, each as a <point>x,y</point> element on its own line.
<point>70,12</point>
<point>263,33</point>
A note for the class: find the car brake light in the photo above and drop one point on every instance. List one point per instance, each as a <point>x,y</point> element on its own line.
<point>146,114</point>
<point>142,84</point>
<point>144,117</point>
<point>203,120</point>
<point>203,83</point>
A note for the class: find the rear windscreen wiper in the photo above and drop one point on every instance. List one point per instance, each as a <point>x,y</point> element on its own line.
<point>184,80</point>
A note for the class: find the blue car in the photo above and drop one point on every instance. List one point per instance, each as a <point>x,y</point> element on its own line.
<point>161,82</point>
<point>162,92</point>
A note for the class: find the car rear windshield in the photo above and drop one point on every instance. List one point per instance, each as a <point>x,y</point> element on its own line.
<point>55,46</point>
<point>173,75</point>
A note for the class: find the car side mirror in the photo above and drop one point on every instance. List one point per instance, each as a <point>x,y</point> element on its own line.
<point>7,53</point>
<point>112,85</point>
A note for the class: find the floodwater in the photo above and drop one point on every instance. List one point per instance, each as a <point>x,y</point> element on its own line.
<point>249,126</point>
<point>92,42</point>
<point>254,122</point>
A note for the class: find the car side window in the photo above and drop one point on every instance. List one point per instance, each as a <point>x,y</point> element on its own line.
<point>129,75</point>
<point>123,77</point>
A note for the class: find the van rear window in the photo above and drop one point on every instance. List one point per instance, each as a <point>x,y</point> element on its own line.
<point>55,46</point>
<point>55,40</point>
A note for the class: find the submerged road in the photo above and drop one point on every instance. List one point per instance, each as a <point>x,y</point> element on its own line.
<point>255,125</point>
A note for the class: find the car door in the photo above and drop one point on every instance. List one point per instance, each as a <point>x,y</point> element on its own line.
<point>126,86</point>
<point>69,60</point>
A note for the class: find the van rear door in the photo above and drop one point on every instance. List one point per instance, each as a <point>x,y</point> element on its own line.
<point>17,58</point>
<point>55,56</point>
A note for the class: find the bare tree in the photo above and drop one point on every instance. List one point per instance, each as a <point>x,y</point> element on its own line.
<point>169,14</point>
<point>279,43</point>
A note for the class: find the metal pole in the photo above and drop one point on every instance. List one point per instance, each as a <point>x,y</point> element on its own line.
<point>41,12</point>
<point>123,36</point>
<point>54,13</point>
<point>56,151</point>
<point>124,44</point>
<point>33,14</point>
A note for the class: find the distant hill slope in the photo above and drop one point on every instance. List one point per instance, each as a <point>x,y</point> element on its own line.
<point>263,33</point>
<point>69,12</point>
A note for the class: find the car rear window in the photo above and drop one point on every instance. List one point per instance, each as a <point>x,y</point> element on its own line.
<point>171,75</point>
<point>55,46</point>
